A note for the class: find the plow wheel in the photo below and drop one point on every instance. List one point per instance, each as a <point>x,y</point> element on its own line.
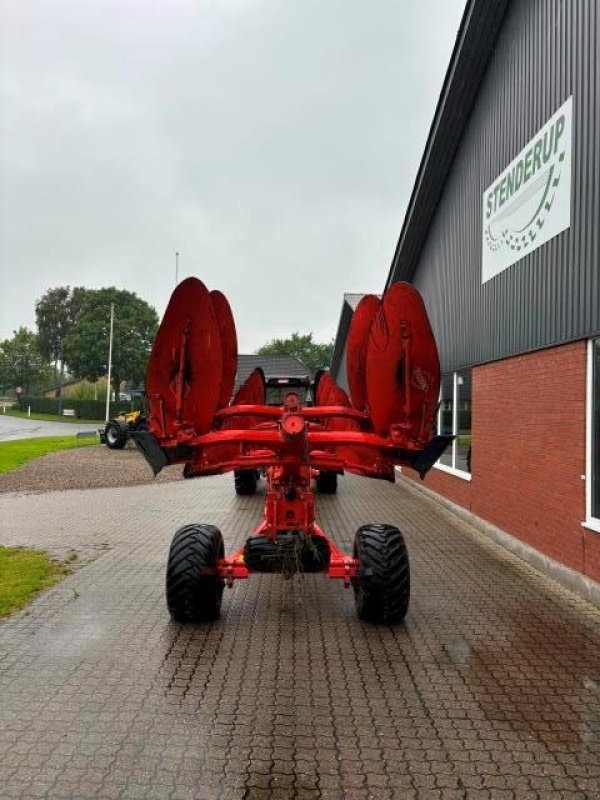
<point>326,482</point>
<point>289,553</point>
<point>382,588</point>
<point>245,481</point>
<point>194,590</point>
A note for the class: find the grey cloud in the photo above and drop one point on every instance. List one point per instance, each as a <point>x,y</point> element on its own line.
<point>273,144</point>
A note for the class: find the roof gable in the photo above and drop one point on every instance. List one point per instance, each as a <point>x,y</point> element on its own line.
<point>272,366</point>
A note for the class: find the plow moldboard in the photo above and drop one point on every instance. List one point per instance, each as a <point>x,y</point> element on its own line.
<point>188,382</point>
<point>401,331</point>
<point>227,330</point>
<point>356,349</point>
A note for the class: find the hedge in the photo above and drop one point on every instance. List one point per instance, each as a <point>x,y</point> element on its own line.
<point>85,409</point>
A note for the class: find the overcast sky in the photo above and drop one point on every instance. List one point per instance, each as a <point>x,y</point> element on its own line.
<point>274,144</point>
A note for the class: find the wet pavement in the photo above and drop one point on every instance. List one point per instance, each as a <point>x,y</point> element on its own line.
<point>491,688</point>
<point>12,428</point>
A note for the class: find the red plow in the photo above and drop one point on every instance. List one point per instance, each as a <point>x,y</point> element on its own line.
<point>386,420</point>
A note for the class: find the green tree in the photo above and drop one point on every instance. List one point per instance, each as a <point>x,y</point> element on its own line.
<point>55,314</point>
<point>313,354</point>
<point>21,361</point>
<point>86,345</point>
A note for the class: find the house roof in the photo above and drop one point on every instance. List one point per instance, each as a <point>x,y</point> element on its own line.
<point>474,45</point>
<point>272,366</point>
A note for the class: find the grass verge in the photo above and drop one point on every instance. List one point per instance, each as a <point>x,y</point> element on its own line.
<point>14,454</point>
<point>23,573</point>
<point>13,412</point>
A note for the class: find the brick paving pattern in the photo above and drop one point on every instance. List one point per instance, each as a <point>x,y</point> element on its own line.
<point>491,688</point>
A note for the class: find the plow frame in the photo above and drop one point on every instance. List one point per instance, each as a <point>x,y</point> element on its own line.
<point>292,444</point>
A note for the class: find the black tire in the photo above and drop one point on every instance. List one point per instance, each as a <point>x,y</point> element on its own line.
<point>245,481</point>
<point>382,588</point>
<point>189,472</point>
<point>260,554</point>
<point>194,590</point>
<point>116,435</point>
<point>291,552</point>
<point>326,482</point>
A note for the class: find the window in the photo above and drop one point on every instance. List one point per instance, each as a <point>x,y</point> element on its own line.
<point>454,419</point>
<point>463,430</point>
<point>593,438</point>
<point>446,416</point>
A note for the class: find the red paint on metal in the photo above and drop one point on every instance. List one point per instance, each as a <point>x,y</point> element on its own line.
<point>252,391</point>
<point>183,377</point>
<point>292,424</point>
<point>328,393</point>
<point>289,506</point>
<point>403,370</point>
<point>226,325</point>
<point>356,349</point>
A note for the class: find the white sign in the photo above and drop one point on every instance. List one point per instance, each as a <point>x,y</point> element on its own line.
<point>530,202</point>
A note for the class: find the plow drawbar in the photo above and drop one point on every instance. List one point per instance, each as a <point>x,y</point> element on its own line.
<point>387,419</point>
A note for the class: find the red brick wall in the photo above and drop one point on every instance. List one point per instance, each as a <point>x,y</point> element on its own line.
<point>528,428</point>
<point>592,555</point>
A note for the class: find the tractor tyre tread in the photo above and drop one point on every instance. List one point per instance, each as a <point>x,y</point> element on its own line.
<point>382,589</point>
<point>261,554</point>
<point>194,590</point>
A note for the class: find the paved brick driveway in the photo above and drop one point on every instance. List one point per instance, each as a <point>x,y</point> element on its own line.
<point>490,690</point>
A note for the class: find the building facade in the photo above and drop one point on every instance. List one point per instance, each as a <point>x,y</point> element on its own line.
<point>501,238</point>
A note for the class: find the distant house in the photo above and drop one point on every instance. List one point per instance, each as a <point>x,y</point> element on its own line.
<point>70,385</point>
<point>131,391</point>
<point>272,366</point>
<point>81,388</point>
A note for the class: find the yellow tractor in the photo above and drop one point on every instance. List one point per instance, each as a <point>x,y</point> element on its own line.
<point>118,430</point>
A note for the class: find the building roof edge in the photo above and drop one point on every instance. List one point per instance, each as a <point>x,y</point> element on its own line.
<point>475,41</point>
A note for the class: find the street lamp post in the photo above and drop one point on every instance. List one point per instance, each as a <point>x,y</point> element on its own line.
<point>60,398</point>
<point>176,268</point>
<point>110,346</point>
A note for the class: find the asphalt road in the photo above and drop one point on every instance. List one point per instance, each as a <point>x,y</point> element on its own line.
<point>16,428</point>
<point>490,690</point>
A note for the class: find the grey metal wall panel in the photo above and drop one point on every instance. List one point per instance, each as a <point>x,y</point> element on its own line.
<point>546,51</point>
<point>338,359</point>
<point>341,377</point>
